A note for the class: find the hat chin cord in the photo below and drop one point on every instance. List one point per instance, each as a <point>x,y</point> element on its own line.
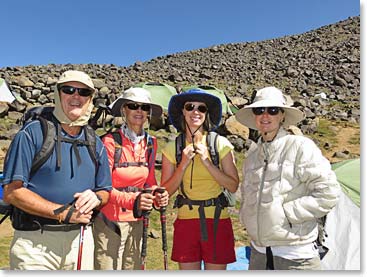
<point>193,145</point>
<point>193,134</point>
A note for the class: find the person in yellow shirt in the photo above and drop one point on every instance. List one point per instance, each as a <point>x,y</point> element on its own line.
<point>203,229</point>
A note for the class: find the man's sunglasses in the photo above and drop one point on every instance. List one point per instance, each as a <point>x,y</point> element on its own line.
<point>269,110</point>
<point>135,106</point>
<point>201,108</point>
<point>85,92</point>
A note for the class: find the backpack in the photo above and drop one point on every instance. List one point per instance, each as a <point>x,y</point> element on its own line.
<point>211,140</point>
<point>118,152</point>
<point>51,130</point>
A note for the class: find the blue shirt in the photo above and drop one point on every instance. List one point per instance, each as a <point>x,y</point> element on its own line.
<point>57,185</point>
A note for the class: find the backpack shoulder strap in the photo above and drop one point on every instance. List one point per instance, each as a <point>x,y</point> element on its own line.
<point>180,145</point>
<point>90,137</point>
<point>211,140</point>
<point>117,138</point>
<point>150,150</point>
<point>49,135</point>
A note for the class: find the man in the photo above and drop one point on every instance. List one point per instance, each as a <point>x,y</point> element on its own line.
<point>51,204</point>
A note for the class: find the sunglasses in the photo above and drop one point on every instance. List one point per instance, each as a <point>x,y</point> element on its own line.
<point>269,110</point>
<point>201,108</point>
<point>85,92</point>
<point>135,106</point>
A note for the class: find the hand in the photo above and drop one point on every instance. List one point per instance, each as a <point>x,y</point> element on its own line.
<point>187,155</point>
<point>161,199</point>
<point>202,150</point>
<point>86,201</point>
<point>146,201</point>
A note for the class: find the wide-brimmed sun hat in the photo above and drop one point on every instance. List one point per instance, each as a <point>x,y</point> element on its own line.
<point>269,97</point>
<point>177,102</point>
<point>76,76</point>
<point>139,95</point>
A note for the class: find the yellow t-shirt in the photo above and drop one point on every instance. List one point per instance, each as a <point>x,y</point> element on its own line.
<point>203,185</point>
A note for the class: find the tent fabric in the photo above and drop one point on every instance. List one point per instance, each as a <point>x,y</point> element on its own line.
<point>343,236</point>
<point>5,93</point>
<point>217,92</point>
<point>160,93</point>
<point>348,173</point>
<point>343,222</point>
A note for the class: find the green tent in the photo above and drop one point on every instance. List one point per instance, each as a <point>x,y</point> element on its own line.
<point>161,93</point>
<point>226,107</point>
<point>348,174</point>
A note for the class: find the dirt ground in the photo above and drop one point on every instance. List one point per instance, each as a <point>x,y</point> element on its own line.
<point>344,137</point>
<point>6,229</point>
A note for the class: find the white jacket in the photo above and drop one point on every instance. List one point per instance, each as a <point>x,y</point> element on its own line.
<point>287,184</point>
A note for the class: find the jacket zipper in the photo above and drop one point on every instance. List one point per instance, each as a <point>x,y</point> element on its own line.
<point>266,161</point>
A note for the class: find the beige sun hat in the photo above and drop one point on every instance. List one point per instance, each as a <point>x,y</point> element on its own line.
<point>76,76</point>
<point>269,97</point>
<point>139,95</point>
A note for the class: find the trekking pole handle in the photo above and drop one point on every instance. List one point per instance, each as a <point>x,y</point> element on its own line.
<point>159,190</point>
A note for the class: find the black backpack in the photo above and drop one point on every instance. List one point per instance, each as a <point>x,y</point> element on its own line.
<point>118,152</point>
<point>211,141</point>
<point>51,130</point>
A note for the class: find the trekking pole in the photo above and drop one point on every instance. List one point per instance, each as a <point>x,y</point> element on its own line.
<point>80,250</point>
<point>145,214</point>
<point>162,211</point>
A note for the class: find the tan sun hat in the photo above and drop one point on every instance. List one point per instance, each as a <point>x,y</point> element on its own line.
<point>269,97</point>
<point>139,95</point>
<point>76,76</point>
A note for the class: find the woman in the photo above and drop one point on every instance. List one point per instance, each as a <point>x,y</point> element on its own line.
<point>203,228</point>
<point>288,185</point>
<point>131,153</point>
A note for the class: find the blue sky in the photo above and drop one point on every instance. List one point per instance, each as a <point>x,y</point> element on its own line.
<point>121,32</point>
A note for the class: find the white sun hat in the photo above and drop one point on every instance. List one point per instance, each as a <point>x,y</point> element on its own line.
<point>269,97</point>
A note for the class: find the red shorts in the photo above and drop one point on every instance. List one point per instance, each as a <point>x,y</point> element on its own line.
<point>188,246</point>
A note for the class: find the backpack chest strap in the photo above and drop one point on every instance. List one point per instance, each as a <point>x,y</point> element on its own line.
<point>127,164</point>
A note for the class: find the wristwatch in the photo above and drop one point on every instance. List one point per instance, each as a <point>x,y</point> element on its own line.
<point>100,200</point>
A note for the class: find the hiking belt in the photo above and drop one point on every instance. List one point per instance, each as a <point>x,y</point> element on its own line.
<point>219,203</point>
<point>23,221</point>
<point>60,227</point>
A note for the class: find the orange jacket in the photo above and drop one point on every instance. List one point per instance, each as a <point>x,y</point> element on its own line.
<point>120,204</point>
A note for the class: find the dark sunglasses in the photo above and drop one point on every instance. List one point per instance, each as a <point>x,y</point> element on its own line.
<point>269,110</point>
<point>201,108</point>
<point>135,106</point>
<point>85,92</point>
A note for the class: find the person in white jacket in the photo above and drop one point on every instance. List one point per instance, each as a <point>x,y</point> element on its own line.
<point>287,186</point>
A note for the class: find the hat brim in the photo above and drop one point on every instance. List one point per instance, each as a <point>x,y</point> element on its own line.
<point>156,110</point>
<point>177,102</point>
<point>245,116</point>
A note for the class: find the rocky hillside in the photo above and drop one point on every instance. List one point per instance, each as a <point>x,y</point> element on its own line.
<point>320,69</point>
